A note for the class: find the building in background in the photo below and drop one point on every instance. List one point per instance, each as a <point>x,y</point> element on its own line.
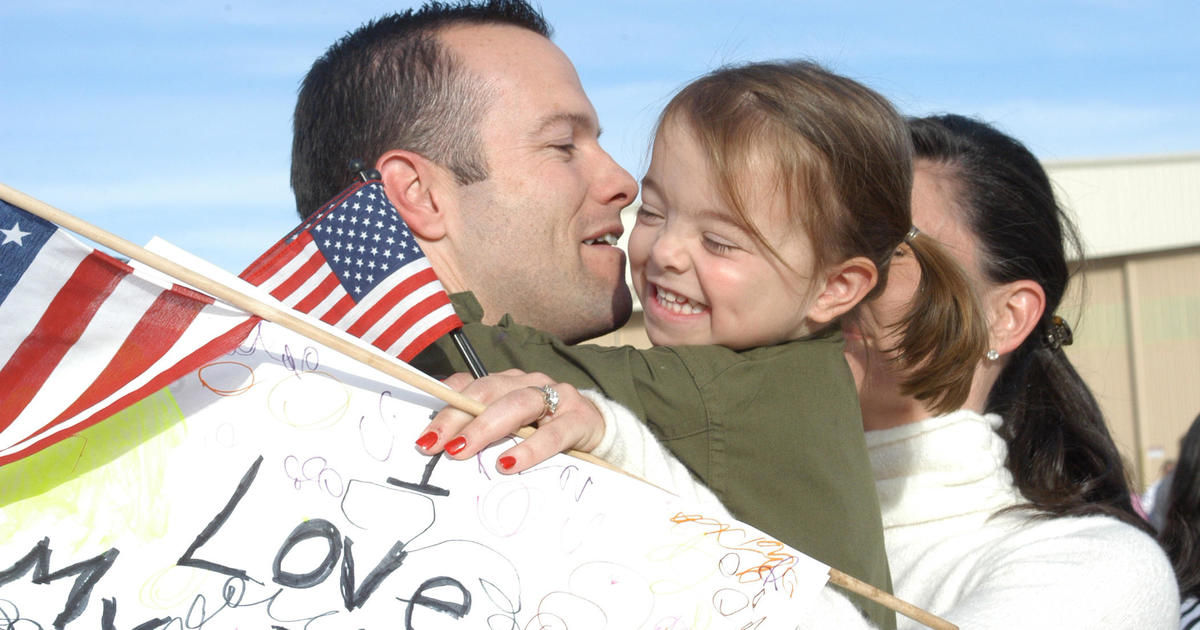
<point>1136,312</point>
<point>1135,308</point>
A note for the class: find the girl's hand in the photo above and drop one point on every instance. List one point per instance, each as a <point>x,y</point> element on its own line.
<point>514,400</point>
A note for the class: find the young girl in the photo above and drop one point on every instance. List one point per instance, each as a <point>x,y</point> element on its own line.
<point>775,198</point>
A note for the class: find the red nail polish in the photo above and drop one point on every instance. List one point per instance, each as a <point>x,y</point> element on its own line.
<point>427,441</point>
<point>456,445</point>
<point>507,462</point>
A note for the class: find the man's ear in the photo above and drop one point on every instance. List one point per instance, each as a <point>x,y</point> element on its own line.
<point>846,285</point>
<point>1015,310</point>
<point>416,186</point>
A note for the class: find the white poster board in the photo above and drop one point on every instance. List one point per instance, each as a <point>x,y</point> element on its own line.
<point>290,495</point>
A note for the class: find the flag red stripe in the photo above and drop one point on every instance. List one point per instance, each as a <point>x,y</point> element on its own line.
<point>58,329</point>
<point>192,294</point>
<point>318,294</point>
<point>431,335</point>
<point>300,276</point>
<point>158,329</point>
<point>339,310</point>
<point>271,262</point>
<point>388,300</point>
<point>193,361</point>
<point>410,317</point>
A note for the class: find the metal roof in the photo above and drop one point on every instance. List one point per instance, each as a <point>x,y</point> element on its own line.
<point>1132,205</point>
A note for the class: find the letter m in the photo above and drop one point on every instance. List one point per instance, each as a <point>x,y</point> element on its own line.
<point>86,573</point>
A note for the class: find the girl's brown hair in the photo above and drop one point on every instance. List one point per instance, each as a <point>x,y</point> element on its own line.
<point>842,158</point>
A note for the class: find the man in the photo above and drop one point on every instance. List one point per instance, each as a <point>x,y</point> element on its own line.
<point>489,149</point>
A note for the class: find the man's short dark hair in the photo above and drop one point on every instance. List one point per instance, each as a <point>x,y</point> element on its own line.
<point>391,84</point>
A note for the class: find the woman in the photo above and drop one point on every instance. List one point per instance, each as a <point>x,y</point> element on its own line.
<point>1014,511</point>
<point>1180,534</point>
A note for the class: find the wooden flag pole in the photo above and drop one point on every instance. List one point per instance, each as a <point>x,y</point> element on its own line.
<point>245,302</point>
<point>855,585</point>
<point>388,365</point>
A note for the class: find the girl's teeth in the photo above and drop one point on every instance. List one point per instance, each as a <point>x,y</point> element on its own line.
<point>677,303</point>
<point>607,239</point>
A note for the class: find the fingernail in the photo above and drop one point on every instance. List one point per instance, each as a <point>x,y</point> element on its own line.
<point>457,444</point>
<point>507,462</point>
<point>427,441</point>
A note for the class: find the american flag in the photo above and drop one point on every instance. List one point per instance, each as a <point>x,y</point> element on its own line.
<point>355,265</point>
<point>85,336</point>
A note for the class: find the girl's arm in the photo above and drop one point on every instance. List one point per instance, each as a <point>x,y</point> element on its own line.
<point>628,444</point>
<point>583,420</point>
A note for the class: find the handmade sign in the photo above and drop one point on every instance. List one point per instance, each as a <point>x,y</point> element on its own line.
<point>278,487</point>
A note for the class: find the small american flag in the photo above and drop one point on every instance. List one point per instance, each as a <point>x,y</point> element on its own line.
<point>354,265</point>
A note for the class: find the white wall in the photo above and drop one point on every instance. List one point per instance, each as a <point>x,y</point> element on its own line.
<point>1132,205</point>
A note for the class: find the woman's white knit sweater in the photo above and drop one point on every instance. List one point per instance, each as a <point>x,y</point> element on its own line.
<point>941,482</point>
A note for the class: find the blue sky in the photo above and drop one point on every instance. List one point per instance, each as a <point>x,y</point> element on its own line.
<point>173,118</point>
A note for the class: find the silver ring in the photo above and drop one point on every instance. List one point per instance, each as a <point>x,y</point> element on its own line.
<point>549,402</point>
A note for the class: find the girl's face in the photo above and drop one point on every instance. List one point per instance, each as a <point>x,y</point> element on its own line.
<point>701,277</point>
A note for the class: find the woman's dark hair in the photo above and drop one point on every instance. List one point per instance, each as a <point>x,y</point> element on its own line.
<point>1180,535</point>
<point>1060,452</point>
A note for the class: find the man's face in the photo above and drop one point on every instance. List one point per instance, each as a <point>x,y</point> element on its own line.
<point>536,239</point>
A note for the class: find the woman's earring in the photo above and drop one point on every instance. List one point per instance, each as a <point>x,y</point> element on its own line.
<point>992,355</point>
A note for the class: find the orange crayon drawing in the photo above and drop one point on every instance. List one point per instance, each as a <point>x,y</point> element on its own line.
<point>776,565</point>
<point>225,392</point>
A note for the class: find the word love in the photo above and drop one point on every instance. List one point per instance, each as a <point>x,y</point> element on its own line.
<point>326,549</point>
